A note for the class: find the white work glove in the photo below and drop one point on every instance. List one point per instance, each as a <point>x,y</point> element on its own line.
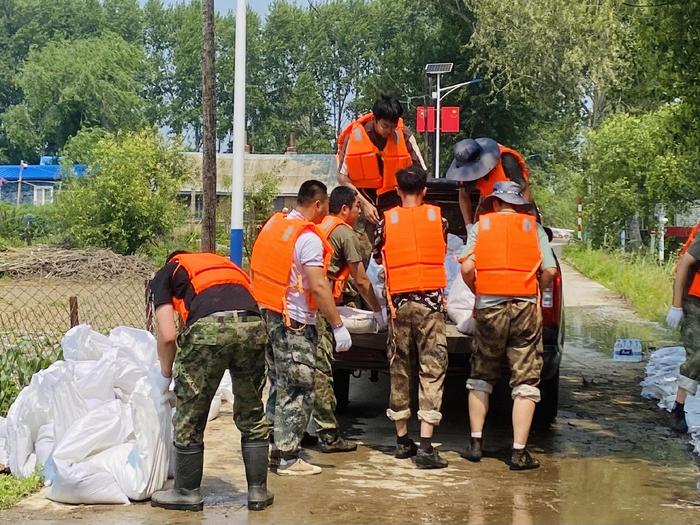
<point>468,228</point>
<point>467,326</point>
<point>381,320</point>
<point>163,383</point>
<point>343,341</point>
<point>674,317</point>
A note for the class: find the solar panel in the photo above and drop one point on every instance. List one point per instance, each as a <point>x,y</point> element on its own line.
<point>438,68</point>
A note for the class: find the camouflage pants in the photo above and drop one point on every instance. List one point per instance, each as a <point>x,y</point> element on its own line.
<point>324,396</point>
<point>510,330</point>
<point>209,347</point>
<point>690,333</point>
<point>291,357</point>
<point>417,332</point>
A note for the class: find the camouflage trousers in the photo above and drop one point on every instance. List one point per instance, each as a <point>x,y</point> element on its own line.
<point>511,330</point>
<point>291,357</point>
<point>324,395</point>
<point>690,333</point>
<point>206,350</point>
<point>417,333</point>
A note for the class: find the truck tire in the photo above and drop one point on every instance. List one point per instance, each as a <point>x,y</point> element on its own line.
<point>546,411</point>
<point>341,388</point>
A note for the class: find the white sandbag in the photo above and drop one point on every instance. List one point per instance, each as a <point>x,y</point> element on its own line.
<point>3,441</point>
<point>460,306</point>
<point>32,409</point>
<point>358,321</point>
<point>82,343</point>
<point>44,444</point>
<point>661,375</point>
<point>375,273</point>
<point>455,245</point>
<point>226,388</point>
<point>214,408</point>
<point>141,342</point>
<point>73,478</point>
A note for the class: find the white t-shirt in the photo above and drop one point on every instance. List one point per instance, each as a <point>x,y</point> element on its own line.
<point>308,251</point>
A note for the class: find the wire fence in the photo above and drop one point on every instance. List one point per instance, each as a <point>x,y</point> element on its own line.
<point>35,313</point>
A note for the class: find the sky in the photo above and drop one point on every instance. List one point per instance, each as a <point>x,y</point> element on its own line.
<point>224,6</point>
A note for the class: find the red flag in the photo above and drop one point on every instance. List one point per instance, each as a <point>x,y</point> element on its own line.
<point>449,119</point>
<point>425,119</point>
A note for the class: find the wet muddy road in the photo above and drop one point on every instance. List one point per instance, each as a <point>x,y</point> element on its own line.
<point>609,458</point>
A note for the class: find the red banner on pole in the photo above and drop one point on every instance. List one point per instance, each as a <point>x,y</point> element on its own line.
<point>449,119</point>
<point>425,119</point>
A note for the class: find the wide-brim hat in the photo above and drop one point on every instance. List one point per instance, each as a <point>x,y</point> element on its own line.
<point>506,191</point>
<point>473,159</point>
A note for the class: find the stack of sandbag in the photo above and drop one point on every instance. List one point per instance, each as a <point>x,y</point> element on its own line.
<point>99,421</point>
<point>661,377</point>
<point>692,419</point>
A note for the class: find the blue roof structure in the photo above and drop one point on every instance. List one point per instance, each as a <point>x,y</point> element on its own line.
<point>10,173</point>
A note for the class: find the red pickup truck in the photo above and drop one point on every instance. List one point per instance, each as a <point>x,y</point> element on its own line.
<point>369,350</point>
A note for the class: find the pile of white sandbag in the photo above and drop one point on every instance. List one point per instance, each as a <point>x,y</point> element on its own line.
<point>661,377</point>
<point>661,382</point>
<point>98,422</point>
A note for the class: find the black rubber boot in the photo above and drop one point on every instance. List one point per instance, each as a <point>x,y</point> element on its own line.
<point>406,450</point>
<point>474,452</point>
<point>186,494</point>
<point>430,459</point>
<point>255,461</point>
<point>678,423</point>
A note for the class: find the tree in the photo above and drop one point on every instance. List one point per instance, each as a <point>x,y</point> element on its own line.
<point>209,125</point>
<point>73,84</point>
<point>128,198</point>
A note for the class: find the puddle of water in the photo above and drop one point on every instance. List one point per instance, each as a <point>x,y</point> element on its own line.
<point>597,328</point>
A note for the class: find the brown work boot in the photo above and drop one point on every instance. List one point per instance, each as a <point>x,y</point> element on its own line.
<point>521,459</point>
<point>405,450</point>
<point>429,460</point>
<point>330,442</point>
<point>474,452</point>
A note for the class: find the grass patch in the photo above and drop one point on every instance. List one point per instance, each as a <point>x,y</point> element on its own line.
<point>644,283</point>
<point>13,489</point>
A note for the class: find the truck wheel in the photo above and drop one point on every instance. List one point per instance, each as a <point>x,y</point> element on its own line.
<point>546,411</point>
<point>341,388</point>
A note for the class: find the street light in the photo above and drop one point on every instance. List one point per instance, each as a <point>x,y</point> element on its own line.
<point>438,69</point>
<point>236,239</point>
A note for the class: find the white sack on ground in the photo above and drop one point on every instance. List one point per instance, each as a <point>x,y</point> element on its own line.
<point>97,421</point>
<point>661,377</point>
<point>3,441</point>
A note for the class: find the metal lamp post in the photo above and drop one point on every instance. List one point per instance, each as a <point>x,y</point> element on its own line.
<point>236,239</point>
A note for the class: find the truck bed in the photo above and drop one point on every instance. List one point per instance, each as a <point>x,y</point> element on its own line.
<point>457,342</point>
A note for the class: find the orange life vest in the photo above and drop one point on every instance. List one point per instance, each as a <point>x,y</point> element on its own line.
<point>327,226</point>
<point>507,255</point>
<point>414,249</point>
<point>272,261</point>
<point>205,270</point>
<point>497,174</point>
<point>695,284</point>
<point>362,156</point>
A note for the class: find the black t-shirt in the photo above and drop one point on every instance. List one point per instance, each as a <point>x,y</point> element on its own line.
<point>167,284</point>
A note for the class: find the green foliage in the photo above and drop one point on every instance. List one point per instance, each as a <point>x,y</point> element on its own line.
<point>645,285</point>
<point>128,199</point>
<point>633,163</point>
<point>13,489</point>
<point>70,85</point>
<point>18,363</point>
<point>17,224</point>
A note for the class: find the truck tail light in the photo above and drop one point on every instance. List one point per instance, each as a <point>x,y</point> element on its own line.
<point>551,302</point>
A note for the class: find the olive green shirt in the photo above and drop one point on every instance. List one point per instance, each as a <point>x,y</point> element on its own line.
<point>346,249</point>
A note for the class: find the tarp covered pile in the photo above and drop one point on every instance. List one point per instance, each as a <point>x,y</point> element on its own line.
<point>661,382</point>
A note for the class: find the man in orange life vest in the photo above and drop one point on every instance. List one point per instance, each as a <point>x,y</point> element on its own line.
<point>370,152</point>
<point>346,262</point>
<point>288,271</point>
<point>221,329</point>
<point>411,243</point>
<point>483,162</point>
<point>685,312</point>
<point>504,252</point>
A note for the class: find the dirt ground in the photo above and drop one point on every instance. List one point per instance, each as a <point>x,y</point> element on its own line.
<point>609,458</point>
